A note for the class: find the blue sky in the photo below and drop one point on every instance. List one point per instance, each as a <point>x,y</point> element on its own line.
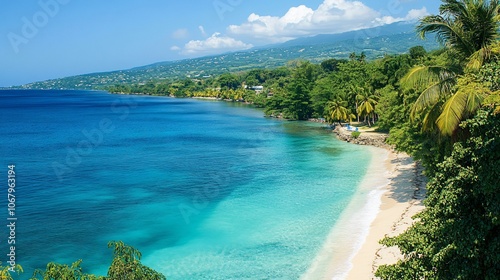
<point>47,39</point>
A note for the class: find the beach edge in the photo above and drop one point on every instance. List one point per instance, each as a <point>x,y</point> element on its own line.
<point>401,199</point>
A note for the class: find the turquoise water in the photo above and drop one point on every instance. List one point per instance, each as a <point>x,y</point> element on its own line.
<point>205,190</point>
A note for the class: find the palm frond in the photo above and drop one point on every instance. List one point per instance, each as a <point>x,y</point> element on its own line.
<point>428,98</point>
<point>474,101</point>
<point>483,55</point>
<point>477,59</point>
<point>451,8</point>
<point>452,114</point>
<point>429,121</point>
<point>432,95</point>
<point>423,76</point>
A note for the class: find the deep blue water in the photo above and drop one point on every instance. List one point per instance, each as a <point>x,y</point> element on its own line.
<point>204,189</point>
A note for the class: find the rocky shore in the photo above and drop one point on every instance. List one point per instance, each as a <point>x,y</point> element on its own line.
<point>365,138</point>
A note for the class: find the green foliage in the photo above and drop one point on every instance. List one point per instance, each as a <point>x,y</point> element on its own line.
<point>466,26</point>
<point>337,111</point>
<point>355,134</point>
<point>56,271</point>
<point>126,265</point>
<point>366,104</point>
<point>417,52</point>
<point>332,65</point>
<point>5,271</point>
<point>228,81</point>
<point>390,108</point>
<point>294,101</point>
<point>469,30</point>
<point>466,100</point>
<point>457,235</point>
<point>490,75</point>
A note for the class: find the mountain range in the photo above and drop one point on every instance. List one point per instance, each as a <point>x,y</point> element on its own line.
<point>376,42</point>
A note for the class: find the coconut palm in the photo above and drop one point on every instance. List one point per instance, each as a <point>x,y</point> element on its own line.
<point>367,102</point>
<point>338,111</point>
<point>466,26</point>
<point>468,29</point>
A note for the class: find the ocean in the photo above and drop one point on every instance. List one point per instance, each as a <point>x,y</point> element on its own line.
<point>204,189</point>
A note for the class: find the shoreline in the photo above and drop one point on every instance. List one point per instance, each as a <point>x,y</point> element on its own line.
<point>346,238</point>
<point>400,199</point>
<point>389,195</point>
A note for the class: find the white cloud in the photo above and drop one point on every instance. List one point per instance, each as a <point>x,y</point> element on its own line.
<point>175,48</point>
<point>214,44</point>
<point>202,30</point>
<point>411,16</point>
<point>332,16</point>
<point>180,33</point>
<point>416,14</point>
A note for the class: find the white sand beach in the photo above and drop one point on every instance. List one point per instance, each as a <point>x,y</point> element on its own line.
<point>401,200</point>
<point>390,194</point>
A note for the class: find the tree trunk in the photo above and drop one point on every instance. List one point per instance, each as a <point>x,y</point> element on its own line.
<point>357,114</point>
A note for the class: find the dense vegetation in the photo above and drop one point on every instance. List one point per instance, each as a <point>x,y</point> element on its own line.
<point>454,127</point>
<point>126,265</point>
<point>336,89</point>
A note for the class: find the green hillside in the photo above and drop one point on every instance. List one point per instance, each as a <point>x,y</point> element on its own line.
<point>393,39</point>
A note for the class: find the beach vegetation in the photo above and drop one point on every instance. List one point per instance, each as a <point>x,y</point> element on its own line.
<point>126,265</point>
<point>452,100</point>
<point>469,31</point>
<point>457,234</point>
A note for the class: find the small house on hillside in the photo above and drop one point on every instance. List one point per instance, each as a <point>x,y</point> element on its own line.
<point>257,89</point>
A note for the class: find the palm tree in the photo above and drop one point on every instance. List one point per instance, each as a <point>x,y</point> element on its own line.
<point>468,29</point>
<point>362,57</point>
<point>353,56</point>
<point>367,102</point>
<point>337,111</point>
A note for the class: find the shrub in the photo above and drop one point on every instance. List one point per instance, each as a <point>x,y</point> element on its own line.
<point>355,134</point>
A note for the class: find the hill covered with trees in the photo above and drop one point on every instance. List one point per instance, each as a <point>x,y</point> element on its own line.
<point>375,42</point>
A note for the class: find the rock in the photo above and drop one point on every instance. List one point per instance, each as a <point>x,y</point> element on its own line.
<point>366,138</point>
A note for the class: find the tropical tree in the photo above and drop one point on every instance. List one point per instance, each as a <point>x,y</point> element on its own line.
<point>55,271</point>
<point>228,81</point>
<point>353,56</point>
<point>469,30</point>
<point>367,102</point>
<point>470,27</point>
<point>457,235</point>
<point>337,111</point>
<point>126,265</point>
<point>352,90</point>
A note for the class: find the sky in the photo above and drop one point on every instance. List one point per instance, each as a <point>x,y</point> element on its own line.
<point>45,39</point>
